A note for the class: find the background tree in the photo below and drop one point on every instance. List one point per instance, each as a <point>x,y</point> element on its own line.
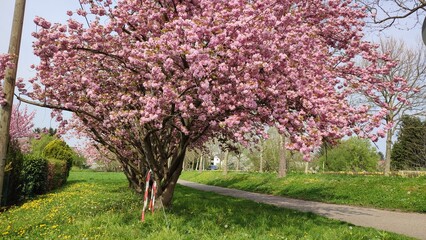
<point>282,164</point>
<point>412,67</point>
<point>40,142</point>
<point>389,12</point>
<point>409,151</point>
<point>191,158</point>
<point>273,150</point>
<point>50,131</point>
<point>21,123</point>
<point>150,79</point>
<point>352,155</point>
<point>99,157</point>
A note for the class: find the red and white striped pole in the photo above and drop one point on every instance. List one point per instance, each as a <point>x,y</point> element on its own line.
<point>153,192</point>
<point>145,198</point>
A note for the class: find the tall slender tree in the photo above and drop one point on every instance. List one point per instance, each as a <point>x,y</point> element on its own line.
<point>412,67</point>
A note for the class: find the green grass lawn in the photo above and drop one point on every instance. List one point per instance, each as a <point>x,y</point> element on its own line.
<point>100,206</point>
<point>406,194</point>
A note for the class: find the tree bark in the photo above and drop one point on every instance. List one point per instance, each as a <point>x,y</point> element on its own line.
<point>9,87</point>
<point>225,163</point>
<point>238,162</point>
<point>261,157</point>
<point>201,165</point>
<point>282,170</point>
<point>165,196</point>
<point>388,152</point>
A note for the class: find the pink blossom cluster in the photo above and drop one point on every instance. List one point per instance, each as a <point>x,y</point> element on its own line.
<point>162,71</point>
<point>21,123</point>
<point>5,62</point>
<point>95,154</point>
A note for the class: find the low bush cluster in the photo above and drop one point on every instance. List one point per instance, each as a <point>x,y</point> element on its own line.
<point>57,173</point>
<point>34,174</point>
<point>12,178</point>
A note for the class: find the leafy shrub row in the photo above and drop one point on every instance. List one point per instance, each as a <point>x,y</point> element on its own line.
<point>30,175</point>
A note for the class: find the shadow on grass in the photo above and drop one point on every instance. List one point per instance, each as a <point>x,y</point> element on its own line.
<point>40,196</point>
<point>225,215</point>
<point>318,193</point>
<point>240,181</point>
<point>74,181</point>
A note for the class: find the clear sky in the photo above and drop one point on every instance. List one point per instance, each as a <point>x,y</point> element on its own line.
<point>55,11</point>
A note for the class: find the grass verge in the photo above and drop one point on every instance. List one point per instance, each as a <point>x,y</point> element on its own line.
<point>395,192</point>
<point>97,205</point>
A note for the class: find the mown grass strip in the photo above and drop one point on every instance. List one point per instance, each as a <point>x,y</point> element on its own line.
<point>395,192</point>
<point>100,206</point>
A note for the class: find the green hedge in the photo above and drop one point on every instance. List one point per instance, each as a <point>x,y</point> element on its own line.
<point>57,173</point>
<point>59,149</point>
<point>12,178</point>
<point>30,175</point>
<point>34,176</point>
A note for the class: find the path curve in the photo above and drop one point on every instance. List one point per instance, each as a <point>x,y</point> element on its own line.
<point>409,224</point>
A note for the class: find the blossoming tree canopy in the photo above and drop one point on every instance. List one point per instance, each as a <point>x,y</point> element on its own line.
<point>148,79</point>
<point>21,123</point>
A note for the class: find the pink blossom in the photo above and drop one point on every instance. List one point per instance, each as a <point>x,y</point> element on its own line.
<point>175,76</point>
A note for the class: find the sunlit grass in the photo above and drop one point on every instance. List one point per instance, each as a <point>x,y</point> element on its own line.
<point>100,206</point>
<point>395,192</point>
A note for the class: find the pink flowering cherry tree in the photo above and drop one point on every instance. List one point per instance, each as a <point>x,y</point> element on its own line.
<point>21,123</point>
<point>149,79</point>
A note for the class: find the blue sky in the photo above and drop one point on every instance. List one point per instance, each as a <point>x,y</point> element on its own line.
<point>55,11</point>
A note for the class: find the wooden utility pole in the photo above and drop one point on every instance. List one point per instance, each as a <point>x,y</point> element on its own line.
<point>9,86</point>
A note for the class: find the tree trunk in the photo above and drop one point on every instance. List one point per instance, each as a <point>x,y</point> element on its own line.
<point>388,152</point>
<point>306,167</point>
<point>225,163</point>
<point>196,165</point>
<point>261,158</point>
<point>165,195</point>
<point>201,165</point>
<point>183,165</point>
<point>238,162</point>
<point>282,170</point>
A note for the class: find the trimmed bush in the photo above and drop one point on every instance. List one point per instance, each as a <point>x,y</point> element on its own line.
<point>12,179</point>
<point>57,173</point>
<point>34,176</point>
<point>58,149</point>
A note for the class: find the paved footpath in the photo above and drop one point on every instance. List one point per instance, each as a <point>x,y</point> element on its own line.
<point>409,224</point>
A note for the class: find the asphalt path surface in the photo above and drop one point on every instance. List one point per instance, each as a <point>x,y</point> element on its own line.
<point>409,224</point>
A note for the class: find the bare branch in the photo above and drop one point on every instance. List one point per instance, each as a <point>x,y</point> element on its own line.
<point>387,13</point>
<point>58,107</point>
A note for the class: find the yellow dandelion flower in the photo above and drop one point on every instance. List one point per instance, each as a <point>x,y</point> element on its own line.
<point>21,232</point>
